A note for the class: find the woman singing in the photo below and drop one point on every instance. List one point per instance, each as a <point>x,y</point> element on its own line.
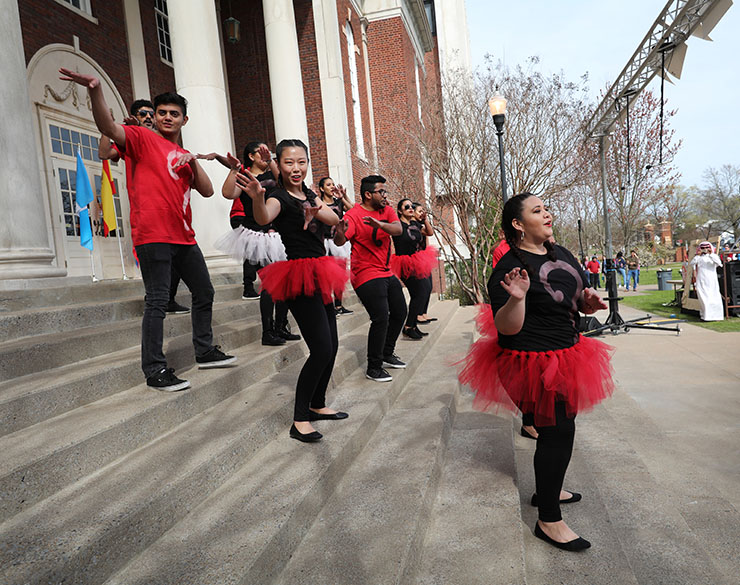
<point>306,281</point>
<point>533,357</point>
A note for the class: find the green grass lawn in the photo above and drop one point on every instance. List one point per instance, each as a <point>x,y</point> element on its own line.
<point>652,302</point>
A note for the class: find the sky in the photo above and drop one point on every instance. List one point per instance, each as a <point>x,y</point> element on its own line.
<point>599,37</point>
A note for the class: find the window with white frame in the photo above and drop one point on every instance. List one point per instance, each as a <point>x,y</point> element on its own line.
<point>65,142</point>
<point>81,5</point>
<point>163,30</point>
<point>355,87</point>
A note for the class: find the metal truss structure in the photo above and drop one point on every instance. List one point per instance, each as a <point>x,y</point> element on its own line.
<point>663,46</point>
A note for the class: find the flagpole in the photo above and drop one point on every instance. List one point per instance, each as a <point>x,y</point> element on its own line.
<point>120,251</point>
<point>92,267</point>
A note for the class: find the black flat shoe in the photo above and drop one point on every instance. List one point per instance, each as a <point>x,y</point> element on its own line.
<point>576,545</point>
<point>574,497</point>
<point>420,332</point>
<point>319,416</point>
<point>523,432</point>
<point>307,438</point>
<point>427,321</point>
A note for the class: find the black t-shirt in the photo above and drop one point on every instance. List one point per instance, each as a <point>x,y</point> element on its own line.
<point>410,240</point>
<point>337,206</point>
<point>299,243</point>
<point>267,180</point>
<point>551,314</point>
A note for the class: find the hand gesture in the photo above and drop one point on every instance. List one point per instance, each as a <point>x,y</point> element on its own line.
<point>341,190</point>
<point>234,162</point>
<point>248,183</point>
<point>264,153</point>
<point>591,302</point>
<point>372,222</point>
<point>516,283</point>
<point>209,156</point>
<point>309,212</point>
<point>423,216</point>
<point>131,121</point>
<point>183,159</point>
<point>87,81</point>
<point>341,227</point>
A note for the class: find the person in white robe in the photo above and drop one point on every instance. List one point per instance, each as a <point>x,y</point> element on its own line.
<point>706,283</point>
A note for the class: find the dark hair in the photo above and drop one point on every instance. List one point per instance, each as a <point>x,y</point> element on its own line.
<point>416,205</point>
<point>172,98</point>
<point>323,180</point>
<point>619,254</point>
<point>287,143</point>
<point>399,207</point>
<point>251,148</point>
<point>138,104</point>
<point>368,184</point>
<point>513,210</point>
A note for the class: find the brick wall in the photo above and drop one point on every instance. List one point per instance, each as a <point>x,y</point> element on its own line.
<point>161,75</point>
<point>44,22</point>
<point>249,77</point>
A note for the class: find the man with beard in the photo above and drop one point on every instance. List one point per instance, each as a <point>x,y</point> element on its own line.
<point>369,227</point>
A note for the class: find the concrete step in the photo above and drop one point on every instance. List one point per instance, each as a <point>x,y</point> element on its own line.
<point>87,438</point>
<point>44,394</point>
<point>81,533</point>
<point>372,528</point>
<point>246,530</point>
<point>637,532</point>
<point>475,534</point>
<point>54,292</point>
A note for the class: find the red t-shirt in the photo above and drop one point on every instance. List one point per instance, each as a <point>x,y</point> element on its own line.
<point>237,209</point>
<point>499,252</point>
<point>371,248</point>
<point>159,196</point>
<point>593,266</point>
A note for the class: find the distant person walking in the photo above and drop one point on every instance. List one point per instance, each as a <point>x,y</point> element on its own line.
<point>706,283</point>
<point>633,270</point>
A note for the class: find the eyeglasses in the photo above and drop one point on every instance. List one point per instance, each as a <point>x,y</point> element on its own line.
<point>383,192</point>
<point>145,113</point>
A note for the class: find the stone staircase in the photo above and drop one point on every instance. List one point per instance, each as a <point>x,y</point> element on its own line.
<point>104,481</point>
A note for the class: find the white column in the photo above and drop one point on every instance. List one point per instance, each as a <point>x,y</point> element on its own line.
<point>25,249</point>
<point>336,128</point>
<point>199,77</point>
<point>136,53</point>
<point>284,63</point>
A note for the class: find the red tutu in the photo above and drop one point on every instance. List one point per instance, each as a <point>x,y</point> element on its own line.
<point>417,265</point>
<point>305,277</point>
<point>531,381</point>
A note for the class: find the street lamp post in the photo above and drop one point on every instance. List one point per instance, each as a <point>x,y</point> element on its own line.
<point>497,105</point>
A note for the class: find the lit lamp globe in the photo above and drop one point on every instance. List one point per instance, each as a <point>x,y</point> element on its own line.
<point>497,105</point>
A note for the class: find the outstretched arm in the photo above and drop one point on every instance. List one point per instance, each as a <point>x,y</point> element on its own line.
<point>510,318</point>
<point>101,112</point>
<point>264,211</point>
<point>392,228</point>
<point>230,189</point>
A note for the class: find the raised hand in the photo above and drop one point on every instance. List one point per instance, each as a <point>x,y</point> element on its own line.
<point>234,162</point>
<point>264,153</point>
<point>372,222</point>
<point>591,302</point>
<point>248,183</point>
<point>516,283</point>
<point>309,212</point>
<point>341,227</point>
<point>341,190</point>
<point>184,159</point>
<point>131,121</point>
<point>88,81</point>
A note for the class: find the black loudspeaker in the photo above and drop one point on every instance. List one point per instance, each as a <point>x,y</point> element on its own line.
<point>731,275</point>
<point>588,324</point>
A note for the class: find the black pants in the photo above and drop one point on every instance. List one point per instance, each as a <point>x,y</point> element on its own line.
<point>425,307</point>
<point>419,291</point>
<point>318,325</point>
<point>266,307</point>
<point>156,262</point>
<point>383,299</point>
<point>594,279</point>
<point>174,283</point>
<point>551,458</point>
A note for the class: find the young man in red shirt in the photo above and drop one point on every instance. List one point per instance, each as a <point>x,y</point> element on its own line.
<point>162,175</point>
<point>369,226</point>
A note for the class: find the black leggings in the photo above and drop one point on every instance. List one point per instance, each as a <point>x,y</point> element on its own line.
<point>266,305</point>
<point>551,458</point>
<point>419,291</point>
<point>318,325</point>
<point>383,299</point>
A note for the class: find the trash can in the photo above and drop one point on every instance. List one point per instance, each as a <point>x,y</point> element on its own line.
<point>663,277</point>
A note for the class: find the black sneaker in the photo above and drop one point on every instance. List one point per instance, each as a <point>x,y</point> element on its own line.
<point>284,332</point>
<point>378,375</point>
<point>166,381</point>
<point>343,311</point>
<point>215,359</point>
<point>250,294</point>
<point>392,361</point>
<point>176,308</point>
<point>269,337</point>
<point>412,333</point>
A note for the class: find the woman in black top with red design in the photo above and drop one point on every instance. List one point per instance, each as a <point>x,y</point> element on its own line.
<point>533,357</point>
<point>306,281</point>
<point>413,263</point>
<point>335,197</point>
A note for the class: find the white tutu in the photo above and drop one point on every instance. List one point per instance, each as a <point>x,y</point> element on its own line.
<point>257,247</point>
<point>332,249</point>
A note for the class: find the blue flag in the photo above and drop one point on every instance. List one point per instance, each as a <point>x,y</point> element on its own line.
<point>83,198</point>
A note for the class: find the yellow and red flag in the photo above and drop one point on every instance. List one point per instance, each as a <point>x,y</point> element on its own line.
<point>107,189</point>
